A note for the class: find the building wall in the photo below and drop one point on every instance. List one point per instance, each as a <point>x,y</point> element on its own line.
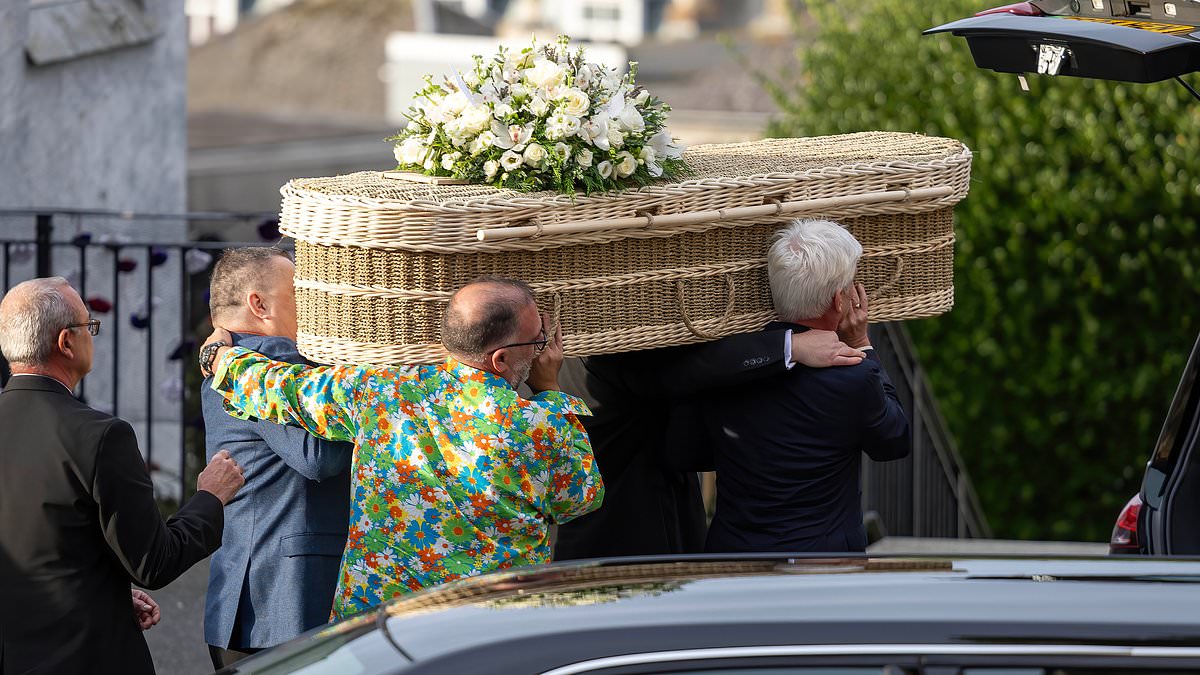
<point>103,131</point>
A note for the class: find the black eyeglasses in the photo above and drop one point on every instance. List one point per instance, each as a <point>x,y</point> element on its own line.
<point>539,344</point>
<point>93,326</point>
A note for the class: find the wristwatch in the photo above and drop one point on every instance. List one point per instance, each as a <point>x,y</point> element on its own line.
<point>208,354</point>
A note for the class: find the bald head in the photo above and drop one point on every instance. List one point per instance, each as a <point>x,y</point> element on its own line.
<point>483,315</point>
<point>32,315</point>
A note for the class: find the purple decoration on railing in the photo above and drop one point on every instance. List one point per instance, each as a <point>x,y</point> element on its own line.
<point>172,389</point>
<point>99,305</point>
<point>196,261</point>
<point>139,321</point>
<point>158,256</point>
<point>269,229</point>
<point>20,254</point>
<point>126,265</point>
<point>182,349</point>
<point>82,239</point>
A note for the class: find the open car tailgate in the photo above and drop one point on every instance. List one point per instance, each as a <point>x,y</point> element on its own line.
<point>1107,49</point>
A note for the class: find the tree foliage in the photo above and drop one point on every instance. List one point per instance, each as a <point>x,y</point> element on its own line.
<point>1077,296</point>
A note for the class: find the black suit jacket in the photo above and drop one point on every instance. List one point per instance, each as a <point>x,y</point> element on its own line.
<point>652,503</point>
<point>78,524</point>
<point>789,456</point>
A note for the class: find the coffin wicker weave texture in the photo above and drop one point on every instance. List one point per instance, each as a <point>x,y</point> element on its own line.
<point>377,258</point>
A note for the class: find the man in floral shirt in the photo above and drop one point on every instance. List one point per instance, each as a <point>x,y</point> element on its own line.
<point>454,473</point>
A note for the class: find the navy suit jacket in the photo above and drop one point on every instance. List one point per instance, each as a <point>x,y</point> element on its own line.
<point>788,456</point>
<point>652,502</point>
<point>275,574</point>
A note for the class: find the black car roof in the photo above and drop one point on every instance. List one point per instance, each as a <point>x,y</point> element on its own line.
<point>687,604</point>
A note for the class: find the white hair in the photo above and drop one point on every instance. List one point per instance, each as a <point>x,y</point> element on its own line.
<point>32,315</point>
<point>810,261</point>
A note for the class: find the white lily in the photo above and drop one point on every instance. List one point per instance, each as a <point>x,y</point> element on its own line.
<point>595,130</point>
<point>513,136</point>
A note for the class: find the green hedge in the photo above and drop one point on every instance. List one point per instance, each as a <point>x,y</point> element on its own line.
<point>1077,296</point>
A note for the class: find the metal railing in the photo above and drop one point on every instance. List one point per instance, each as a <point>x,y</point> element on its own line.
<point>928,494</point>
<point>150,293</point>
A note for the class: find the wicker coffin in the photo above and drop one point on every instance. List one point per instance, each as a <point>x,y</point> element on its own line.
<point>377,258</point>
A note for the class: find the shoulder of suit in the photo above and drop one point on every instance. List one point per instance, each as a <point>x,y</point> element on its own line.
<point>271,346</point>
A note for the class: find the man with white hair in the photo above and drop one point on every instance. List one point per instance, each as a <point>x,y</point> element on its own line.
<point>78,519</point>
<point>788,450</point>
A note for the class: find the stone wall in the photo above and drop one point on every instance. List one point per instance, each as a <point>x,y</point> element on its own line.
<point>92,116</point>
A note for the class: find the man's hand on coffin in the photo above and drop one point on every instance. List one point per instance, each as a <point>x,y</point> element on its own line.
<point>213,348</point>
<point>543,376</point>
<point>822,348</point>
<point>852,329</point>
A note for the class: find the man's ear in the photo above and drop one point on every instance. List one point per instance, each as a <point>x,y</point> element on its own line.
<point>839,302</point>
<point>257,304</point>
<point>66,343</point>
<point>499,361</point>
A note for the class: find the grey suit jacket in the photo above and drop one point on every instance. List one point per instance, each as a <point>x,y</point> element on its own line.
<point>275,574</point>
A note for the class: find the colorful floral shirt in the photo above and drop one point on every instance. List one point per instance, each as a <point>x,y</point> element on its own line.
<point>454,473</point>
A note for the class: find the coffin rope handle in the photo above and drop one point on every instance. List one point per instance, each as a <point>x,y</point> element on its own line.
<point>687,320</point>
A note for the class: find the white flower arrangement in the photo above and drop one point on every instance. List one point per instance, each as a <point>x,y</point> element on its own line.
<point>540,119</point>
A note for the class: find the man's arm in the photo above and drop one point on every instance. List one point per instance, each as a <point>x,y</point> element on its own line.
<point>576,485</point>
<point>886,433</point>
<point>729,362</point>
<point>323,400</point>
<point>312,457</point>
<point>152,552</point>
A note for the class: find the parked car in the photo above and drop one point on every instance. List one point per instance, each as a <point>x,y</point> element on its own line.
<point>768,615</point>
<point>1128,41</point>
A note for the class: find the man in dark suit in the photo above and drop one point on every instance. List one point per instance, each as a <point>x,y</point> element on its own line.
<point>640,403</point>
<point>78,519</point>
<point>276,572</point>
<point>788,451</point>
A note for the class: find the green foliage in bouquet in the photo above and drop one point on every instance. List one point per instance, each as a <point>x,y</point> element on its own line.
<point>540,119</point>
<point>1077,267</point>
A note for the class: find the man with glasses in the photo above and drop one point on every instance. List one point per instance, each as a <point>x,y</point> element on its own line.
<point>78,519</point>
<point>454,473</point>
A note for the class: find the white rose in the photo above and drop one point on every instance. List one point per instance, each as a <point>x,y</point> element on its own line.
<point>410,151</point>
<point>448,160</point>
<point>574,102</point>
<point>544,74</point>
<point>511,160</point>
<point>615,138</point>
<point>518,91</point>
<point>630,119</point>
<point>535,155</point>
<point>538,106</point>
<point>475,119</point>
<point>431,161</point>
<point>563,151</point>
<point>626,164</point>
<point>642,97</point>
<point>455,103</point>
<point>490,168</point>
<point>482,142</point>
<point>502,110</point>
<point>604,168</point>
<point>583,157</point>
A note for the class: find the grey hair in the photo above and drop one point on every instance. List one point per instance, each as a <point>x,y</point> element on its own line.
<point>471,332</point>
<point>31,316</point>
<point>810,261</point>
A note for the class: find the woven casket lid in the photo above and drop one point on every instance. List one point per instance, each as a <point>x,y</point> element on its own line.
<point>370,210</point>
